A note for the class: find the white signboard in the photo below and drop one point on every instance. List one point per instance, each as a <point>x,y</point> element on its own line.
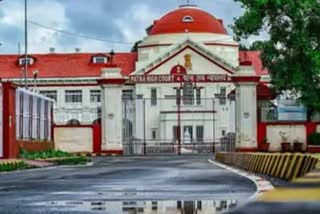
<point>293,112</point>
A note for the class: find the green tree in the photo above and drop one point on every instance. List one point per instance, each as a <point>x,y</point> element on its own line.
<point>148,29</point>
<point>135,46</point>
<point>256,46</point>
<point>243,47</point>
<point>292,53</point>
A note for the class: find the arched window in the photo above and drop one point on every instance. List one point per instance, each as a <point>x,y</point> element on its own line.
<point>187,19</point>
<point>73,122</point>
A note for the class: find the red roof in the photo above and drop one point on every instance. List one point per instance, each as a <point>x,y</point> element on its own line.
<point>64,65</point>
<point>203,22</point>
<point>263,92</point>
<point>80,64</point>
<point>254,57</point>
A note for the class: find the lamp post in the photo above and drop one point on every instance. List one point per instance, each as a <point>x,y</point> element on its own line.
<point>0,42</point>
<point>26,42</point>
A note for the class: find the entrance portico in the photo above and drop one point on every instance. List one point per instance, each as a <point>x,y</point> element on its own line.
<point>189,119</point>
<point>177,95</point>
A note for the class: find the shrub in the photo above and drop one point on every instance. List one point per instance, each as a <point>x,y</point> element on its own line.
<point>43,155</point>
<point>314,139</point>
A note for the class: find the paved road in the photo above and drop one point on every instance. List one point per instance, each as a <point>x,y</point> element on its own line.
<point>125,185</point>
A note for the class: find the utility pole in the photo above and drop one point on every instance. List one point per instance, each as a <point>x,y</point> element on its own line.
<point>26,42</point>
<point>0,42</point>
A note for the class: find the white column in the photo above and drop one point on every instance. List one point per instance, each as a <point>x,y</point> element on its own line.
<point>246,108</point>
<point>112,83</point>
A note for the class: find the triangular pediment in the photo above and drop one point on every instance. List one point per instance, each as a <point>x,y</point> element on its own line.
<point>195,57</point>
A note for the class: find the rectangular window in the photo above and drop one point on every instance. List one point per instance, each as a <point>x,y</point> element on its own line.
<point>22,61</point>
<point>153,96</point>
<point>198,95</point>
<point>73,96</point>
<point>200,133</point>
<point>188,94</point>
<point>223,133</point>
<point>50,94</point>
<point>99,60</point>
<point>223,94</point>
<point>178,96</point>
<point>95,96</point>
<point>127,94</point>
<point>175,133</point>
<point>154,134</point>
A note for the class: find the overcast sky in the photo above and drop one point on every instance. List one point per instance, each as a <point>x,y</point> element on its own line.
<point>123,21</point>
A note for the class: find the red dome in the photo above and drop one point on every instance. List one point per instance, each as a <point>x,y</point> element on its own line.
<point>188,19</point>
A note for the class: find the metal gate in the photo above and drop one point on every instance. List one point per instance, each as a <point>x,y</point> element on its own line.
<point>174,125</point>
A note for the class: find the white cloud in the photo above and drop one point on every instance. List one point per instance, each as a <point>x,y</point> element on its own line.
<point>133,24</point>
<point>49,13</point>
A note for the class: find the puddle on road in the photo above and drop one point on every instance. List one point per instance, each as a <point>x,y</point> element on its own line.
<point>135,207</point>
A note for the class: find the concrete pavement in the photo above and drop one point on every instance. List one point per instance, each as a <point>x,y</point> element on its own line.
<point>122,184</point>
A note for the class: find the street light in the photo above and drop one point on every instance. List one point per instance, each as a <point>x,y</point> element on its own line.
<point>0,43</point>
<point>25,42</point>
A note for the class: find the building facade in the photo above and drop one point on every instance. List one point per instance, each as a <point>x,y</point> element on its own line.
<point>180,86</point>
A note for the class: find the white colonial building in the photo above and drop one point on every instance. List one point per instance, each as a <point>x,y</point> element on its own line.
<point>179,92</point>
<point>181,85</point>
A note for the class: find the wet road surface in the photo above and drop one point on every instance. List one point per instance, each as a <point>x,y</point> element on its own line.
<point>186,184</point>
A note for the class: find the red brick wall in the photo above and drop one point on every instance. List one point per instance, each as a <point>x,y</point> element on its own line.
<point>32,146</point>
<point>10,144</point>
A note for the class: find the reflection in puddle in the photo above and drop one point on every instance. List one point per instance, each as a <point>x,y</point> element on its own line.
<point>133,207</point>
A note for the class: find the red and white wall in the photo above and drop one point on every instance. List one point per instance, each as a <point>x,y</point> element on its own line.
<point>294,131</point>
<point>26,121</point>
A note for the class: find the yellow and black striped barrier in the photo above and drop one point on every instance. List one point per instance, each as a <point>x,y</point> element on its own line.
<point>10,164</point>
<point>9,161</point>
<point>286,166</point>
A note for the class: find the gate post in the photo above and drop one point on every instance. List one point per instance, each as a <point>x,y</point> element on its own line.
<point>246,107</point>
<point>111,117</point>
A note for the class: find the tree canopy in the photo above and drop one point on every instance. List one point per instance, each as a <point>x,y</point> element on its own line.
<point>292,52</point>
<point>137,43</point>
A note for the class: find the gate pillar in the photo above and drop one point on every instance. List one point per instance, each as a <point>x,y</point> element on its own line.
<point>111,83</point>
<point>246,82</point>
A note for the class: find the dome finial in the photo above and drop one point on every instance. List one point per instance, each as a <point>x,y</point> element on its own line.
<point>188,3</point>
